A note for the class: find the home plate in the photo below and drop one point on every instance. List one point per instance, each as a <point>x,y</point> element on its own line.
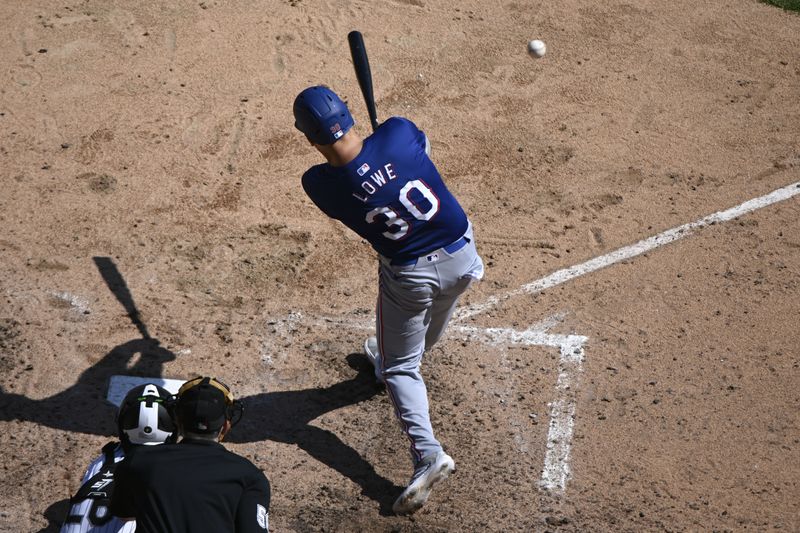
<point>118,386</point>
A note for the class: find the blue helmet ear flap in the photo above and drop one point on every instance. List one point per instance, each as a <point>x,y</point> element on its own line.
<point>321,115</point>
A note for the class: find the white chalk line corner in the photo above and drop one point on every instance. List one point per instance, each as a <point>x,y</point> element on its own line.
<point>556,469</point>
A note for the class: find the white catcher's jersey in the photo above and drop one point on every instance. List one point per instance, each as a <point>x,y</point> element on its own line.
<point>83,508</point>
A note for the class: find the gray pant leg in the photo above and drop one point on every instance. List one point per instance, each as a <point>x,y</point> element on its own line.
<point>414,305</point>
<point>401,327</point>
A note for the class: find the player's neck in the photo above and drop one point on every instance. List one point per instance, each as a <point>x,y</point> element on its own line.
<point>342,151</point>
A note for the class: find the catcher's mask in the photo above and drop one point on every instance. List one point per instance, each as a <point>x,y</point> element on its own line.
<point>145,416</point>
<point>204,404</point>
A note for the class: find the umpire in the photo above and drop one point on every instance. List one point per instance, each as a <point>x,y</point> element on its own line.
<point>195,485</point>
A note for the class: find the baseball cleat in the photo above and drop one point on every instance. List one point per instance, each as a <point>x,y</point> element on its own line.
<point>429,471</point>
<point>371,351</point>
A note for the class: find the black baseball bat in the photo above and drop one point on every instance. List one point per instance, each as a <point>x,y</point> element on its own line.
<point>361,64</point>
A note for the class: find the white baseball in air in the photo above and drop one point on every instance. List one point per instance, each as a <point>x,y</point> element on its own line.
<point>536,48</point>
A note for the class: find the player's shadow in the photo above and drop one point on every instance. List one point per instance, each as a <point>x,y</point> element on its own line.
<point>81,407</point>
<point>285,416</point>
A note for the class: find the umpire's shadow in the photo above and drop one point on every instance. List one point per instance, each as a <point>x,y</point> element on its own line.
<point>285,417</point>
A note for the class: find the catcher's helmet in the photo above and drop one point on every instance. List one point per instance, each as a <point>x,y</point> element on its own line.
<point>321,115</point>
<point>145,416</point>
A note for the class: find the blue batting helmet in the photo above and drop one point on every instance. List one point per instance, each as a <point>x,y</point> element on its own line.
<point>321,115</point>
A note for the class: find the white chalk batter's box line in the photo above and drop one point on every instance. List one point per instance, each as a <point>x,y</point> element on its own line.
<point>556,469</point>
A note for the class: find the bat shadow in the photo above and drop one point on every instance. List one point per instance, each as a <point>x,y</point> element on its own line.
<point>286,416</point>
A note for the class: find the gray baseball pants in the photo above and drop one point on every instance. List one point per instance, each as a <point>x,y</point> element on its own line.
<point>415,303</point>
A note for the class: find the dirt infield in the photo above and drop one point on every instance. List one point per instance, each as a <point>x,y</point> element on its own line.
<point>148,161</point>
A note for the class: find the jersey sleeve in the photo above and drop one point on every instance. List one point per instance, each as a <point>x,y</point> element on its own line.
<point>79,509</point>
<point>92,469</point>
<point>252,515</point>
<point>417,135</point>
<point>314,187</point>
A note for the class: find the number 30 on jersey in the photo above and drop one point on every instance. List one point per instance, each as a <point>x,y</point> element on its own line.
<point>397,227</point>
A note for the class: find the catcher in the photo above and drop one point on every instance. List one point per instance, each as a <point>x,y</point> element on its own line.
<point>144,419</point>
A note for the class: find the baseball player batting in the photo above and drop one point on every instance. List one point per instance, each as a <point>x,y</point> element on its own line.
<point>143,419</point>
<point>387,190</point>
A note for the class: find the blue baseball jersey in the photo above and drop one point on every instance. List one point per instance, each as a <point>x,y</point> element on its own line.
<point>391,194</point>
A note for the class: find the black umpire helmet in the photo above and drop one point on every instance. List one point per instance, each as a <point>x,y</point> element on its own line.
<point>204,404</point>
<point>145,416</point>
